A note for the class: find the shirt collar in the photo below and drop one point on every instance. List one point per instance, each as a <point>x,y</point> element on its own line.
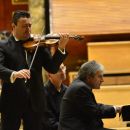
<point>54,90</point>
<point>15,38</point>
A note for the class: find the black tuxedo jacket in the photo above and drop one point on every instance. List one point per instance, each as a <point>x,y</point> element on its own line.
<point>80,111</point>
<point>15,97</point>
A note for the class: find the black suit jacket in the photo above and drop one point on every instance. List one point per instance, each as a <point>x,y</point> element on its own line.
<point>80,111</point>
<point>16,96</point>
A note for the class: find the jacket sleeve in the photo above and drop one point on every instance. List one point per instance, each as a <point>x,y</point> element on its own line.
<point>5,73</point>
<point>107,111</point>
<point>49,62</point>
<point>89,107</point>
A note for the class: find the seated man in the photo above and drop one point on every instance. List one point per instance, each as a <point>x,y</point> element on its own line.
<point>55,90</point>
<point>79,108</point>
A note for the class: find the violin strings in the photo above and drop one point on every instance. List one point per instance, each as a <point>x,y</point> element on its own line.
<point>34,55</point>
<point>39,39</point>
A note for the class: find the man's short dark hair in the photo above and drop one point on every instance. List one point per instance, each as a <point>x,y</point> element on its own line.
<point>18,14</point>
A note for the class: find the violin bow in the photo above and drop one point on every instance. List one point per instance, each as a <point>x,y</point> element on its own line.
<point>35,52</point>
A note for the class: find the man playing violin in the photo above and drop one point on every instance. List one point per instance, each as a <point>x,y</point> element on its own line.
<point>22,95</point>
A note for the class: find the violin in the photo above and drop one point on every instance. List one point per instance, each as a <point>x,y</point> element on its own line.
<point>46,41</point>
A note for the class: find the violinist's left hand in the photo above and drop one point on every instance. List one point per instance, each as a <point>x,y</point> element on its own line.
<point>64,38</point>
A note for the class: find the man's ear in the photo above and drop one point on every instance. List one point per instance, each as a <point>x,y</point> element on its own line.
<point>88,78</point>
<point>13,25</point>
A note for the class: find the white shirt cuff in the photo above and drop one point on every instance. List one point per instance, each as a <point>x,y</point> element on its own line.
<point>12,79</point>
<point>62,51</point>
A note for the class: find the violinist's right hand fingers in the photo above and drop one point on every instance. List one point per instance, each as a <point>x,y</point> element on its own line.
<point>64,38</point>
<point>24,73</point>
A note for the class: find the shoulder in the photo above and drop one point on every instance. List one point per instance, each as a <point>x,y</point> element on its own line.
<point>3,45</point>
<point>77,89</point>
<point>7,41</point>
<point>3,42</point>
<point>78,83</point>
<point>78,86</point>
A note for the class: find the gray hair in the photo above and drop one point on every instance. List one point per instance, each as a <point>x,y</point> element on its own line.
<point>89,69</point>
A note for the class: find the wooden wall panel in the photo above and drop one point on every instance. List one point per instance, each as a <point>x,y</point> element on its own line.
<point>114,56</point>
<point>77,54</point>
<point>112,95</point>
<point>6,10</point>
<point>90,16</point>
<point>1,14</point>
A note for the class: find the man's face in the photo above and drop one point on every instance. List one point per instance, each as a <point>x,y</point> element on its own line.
<point>22,30</point>
<point>95,81</point>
